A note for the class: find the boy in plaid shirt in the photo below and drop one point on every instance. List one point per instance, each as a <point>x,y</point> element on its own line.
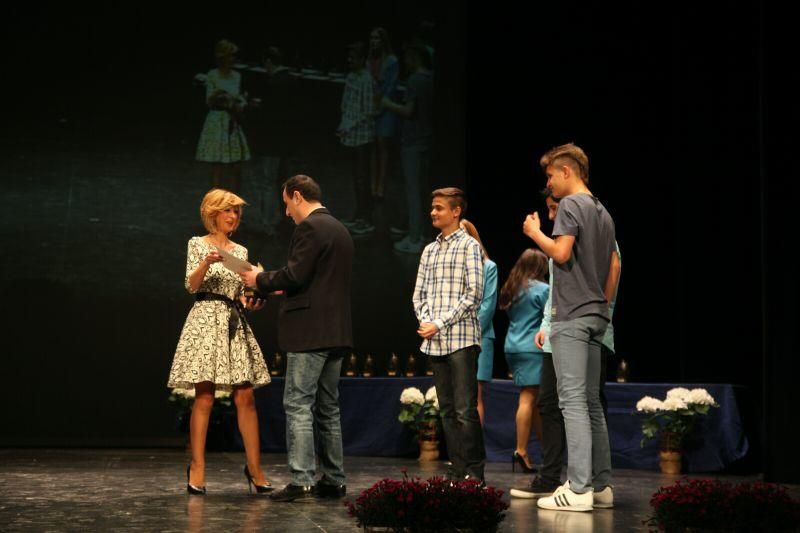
<point>446,299</point>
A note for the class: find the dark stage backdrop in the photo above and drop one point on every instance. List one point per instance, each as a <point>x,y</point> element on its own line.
<point>686,116</point>
<point>679,111</point>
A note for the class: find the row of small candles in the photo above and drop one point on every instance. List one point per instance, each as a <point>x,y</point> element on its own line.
<point>352,368</point>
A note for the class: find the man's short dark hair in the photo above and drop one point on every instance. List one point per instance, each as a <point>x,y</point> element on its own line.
<point>305,185</point>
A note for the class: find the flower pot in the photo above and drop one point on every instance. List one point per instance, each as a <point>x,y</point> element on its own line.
<point>428,450</point>
<point>670,462</point>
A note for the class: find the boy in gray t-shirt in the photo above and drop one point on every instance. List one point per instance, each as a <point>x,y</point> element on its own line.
<point>582,251</point>
<point>579,283</point>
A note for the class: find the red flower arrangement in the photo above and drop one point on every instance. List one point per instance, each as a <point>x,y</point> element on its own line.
<point>411,504</point>
<point>715,505</point>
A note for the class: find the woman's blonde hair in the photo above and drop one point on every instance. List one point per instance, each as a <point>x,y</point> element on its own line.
<point>225,48</point>
<point>214,202</point>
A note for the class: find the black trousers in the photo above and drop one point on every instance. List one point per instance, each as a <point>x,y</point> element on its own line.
<point>455,377</point>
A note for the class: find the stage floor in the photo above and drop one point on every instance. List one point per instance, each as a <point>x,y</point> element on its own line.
<point>145,490</point>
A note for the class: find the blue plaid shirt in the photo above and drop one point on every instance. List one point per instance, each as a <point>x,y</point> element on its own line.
<point>448,292</point>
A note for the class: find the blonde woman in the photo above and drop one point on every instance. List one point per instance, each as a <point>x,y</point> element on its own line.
<point>222,141</point>
<point>217,350</point>
<point>485,316</point>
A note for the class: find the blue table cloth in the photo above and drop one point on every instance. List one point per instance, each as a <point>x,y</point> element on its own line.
<point>370,406</point>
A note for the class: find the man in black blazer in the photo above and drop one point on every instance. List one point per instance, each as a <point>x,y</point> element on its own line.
<point>315,329</point>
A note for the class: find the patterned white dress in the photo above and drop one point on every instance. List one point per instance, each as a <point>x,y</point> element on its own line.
<point>215,344</point>
<point>222,139</point>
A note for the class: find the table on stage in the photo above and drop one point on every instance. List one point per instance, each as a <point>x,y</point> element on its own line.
<point>369,409</point>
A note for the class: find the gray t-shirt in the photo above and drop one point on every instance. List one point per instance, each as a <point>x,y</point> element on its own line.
<point>579,284</point>
<point>418,128</point>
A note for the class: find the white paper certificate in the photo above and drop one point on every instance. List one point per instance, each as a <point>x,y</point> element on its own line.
<point>233,263</point>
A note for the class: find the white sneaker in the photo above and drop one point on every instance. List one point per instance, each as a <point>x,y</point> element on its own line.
<point>604,499</point>
<point>563,499</point>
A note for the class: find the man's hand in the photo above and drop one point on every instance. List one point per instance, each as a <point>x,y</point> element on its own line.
<point>532,225</point>
<point>249,277</point>
<point>252,303</point>
<point>427,330</point>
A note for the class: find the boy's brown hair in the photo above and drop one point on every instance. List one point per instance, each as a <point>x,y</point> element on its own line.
<point>455,198</point>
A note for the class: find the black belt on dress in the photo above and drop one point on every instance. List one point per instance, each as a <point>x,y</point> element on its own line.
<point>236,317</point>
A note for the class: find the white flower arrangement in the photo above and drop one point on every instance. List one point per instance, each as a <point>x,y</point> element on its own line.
<point>412,396</point>
<point>185,393</point>
<point>189,393</point>
<point>185,398</point>
<point>674,404</point>
<point>701,397</point>
<point>680,393</point>
<point>420,413</point>
<point>430,396</point>
<point>648,404</point>
<point>674,417</point>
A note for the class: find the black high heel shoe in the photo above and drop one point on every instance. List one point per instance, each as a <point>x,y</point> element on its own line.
<point>517,459</point>
<point>193,489</point>
<point>260,489</point>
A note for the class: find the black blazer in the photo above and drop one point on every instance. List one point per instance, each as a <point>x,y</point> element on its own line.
<point>315,314</point>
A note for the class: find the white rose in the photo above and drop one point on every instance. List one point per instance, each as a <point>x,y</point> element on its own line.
<point>678,392</point>
<point>674,404</point>
<point>700,396</point>
<point>648,404</point>
<point>431,395</point>
<point>412,395</point>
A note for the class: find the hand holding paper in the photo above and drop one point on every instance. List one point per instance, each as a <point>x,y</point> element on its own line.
<point>249,276</point>
<point>233,263</point>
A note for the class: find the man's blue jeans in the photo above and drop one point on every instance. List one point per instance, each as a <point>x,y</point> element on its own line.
<point>311,398</point>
